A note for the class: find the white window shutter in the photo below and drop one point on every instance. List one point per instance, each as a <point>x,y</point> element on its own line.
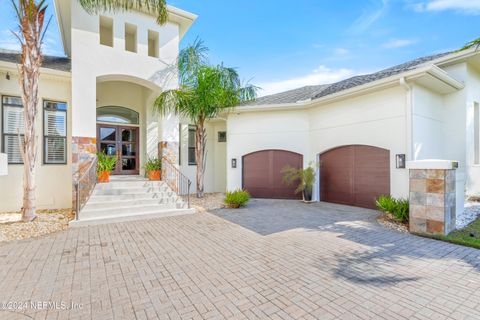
<point>55,123</point>
<point>13,122</point>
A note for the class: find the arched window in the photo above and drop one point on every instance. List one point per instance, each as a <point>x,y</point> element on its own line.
<point>115,114</point>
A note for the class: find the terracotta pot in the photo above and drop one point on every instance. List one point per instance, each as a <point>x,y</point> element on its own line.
<point>154,175</point>
<point>103,176</point>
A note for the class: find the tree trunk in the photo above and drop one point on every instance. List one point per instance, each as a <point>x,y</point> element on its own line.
<point>31,18</point>
<point>200,136</point>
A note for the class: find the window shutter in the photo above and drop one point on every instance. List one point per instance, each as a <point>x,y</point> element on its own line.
<point>12,148</point>
<point>13,120</point>
<point>55,150</point>
<point>55,123</point>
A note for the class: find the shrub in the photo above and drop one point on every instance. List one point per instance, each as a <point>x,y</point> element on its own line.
<point>386,204</point>
<point>236,199</point>
<point>105,163</point>
<point>398,208</point>
<point>153,164</point>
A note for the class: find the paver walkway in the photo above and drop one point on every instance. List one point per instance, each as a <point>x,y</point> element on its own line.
<point>335,263</point>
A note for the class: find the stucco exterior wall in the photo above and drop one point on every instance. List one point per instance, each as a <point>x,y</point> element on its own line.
<point>214,178</point>
<point>375,119</point>
<point>54,182</point>
<point>91,60</point>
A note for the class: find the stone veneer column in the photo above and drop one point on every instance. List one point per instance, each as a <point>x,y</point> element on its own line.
<point>432,196</point>
<point>169,150</point>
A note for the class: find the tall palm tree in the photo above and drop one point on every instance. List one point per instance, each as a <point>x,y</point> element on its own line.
<point>205,92</point>
<point>31,29</point>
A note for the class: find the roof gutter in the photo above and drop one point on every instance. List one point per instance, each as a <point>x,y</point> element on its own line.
<point>13,68</point>
<point>360,90</point>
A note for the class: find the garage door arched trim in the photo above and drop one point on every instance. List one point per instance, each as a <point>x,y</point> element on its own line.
<point>261,173</point>
<point>354,175</point>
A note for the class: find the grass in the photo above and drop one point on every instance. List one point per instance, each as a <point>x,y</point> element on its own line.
<point>464,236</point>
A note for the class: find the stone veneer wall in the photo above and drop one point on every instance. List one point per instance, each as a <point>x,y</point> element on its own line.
<point>170,150</point>
<point>432,201</point>
<point>83,151</point>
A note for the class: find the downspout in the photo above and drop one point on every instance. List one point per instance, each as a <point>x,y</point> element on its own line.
<point>408,118</point>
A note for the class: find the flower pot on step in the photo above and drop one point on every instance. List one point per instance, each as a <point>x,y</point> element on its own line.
<point>103,176</point>
<point>307,194</point>
<point>155,175</point>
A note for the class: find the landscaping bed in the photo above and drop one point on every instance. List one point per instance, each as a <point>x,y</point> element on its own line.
<point>47,221</point>
<point>210,201</point>
<point>468,236</point>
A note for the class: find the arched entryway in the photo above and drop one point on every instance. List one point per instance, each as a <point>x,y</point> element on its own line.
<point>262,177</point>
<point>354,175</point>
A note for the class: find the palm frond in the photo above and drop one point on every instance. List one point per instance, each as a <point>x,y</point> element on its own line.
<point>157,7</point>
<point>474,43</point>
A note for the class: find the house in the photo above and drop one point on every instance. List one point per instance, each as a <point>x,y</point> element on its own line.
<point>360,131</point>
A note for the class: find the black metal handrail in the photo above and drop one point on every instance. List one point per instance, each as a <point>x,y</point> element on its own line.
<point>84,186</point>
<point>175,179</point>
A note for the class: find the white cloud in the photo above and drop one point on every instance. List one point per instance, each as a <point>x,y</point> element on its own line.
<point>341,51</point>
<point>461,6</point>
<point>369,16</point>
<point>398,43</point>
<point>321,75</point>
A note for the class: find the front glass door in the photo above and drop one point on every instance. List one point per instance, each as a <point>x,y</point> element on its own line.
<point>121,142</point>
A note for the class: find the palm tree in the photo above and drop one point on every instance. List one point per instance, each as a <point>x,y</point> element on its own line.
<point>32,27</point>
<point>205,91</point>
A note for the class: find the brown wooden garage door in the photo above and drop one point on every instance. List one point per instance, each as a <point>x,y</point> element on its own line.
<point>262,175</point>
<point>354,175</point>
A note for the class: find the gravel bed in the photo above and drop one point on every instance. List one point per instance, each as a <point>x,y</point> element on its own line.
<point>469,214</point>
<point>47,221</point>
<point>391,224</point>
<point>210,201</point>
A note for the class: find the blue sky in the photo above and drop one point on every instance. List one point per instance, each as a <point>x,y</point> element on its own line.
<point>281,45</point>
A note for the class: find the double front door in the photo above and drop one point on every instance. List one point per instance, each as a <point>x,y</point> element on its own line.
<point>121,142</point>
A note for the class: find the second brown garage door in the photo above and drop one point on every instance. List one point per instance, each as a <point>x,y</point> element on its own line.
<point>354,175</point>
<point>262,176</point>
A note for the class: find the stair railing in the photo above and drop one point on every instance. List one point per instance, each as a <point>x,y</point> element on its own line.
<point>175,179</point>
<point>84,186</point>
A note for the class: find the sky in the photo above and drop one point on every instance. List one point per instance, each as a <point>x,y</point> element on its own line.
<point>280,45</point>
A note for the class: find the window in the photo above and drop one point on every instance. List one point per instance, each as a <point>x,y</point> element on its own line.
<point>106,31</point>
<point>153,44</point>
<point>222,136</point>
<point>192,159</point>
<point>114,114</point>
<point>54,132</point>
<point>13,125</point>
<point>476,133</point>
<point>130,37</point>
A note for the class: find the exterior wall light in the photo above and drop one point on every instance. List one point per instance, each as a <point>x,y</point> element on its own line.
<point>7,76</point>
<point>234,163</point>
<point>400,161</point>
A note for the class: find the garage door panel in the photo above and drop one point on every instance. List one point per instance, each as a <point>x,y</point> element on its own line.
<point>262,174</point>
<point>355,175</point>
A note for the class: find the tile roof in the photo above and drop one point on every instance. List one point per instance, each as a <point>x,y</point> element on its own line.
<point>319,91</point>
<point>49,62</point>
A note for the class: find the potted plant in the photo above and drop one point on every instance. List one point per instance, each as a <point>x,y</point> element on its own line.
<point>304,177</point>
<point>153,167</point>
<point>105,165</point>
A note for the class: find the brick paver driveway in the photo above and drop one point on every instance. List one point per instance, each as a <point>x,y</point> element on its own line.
<point>289,261</point>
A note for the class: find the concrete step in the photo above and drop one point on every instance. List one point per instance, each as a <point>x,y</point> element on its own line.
<point>128,209</point>
<point>131,184</point>
<point>123,191</point>
<point>119,202</point>
<point>129,216</point>
<point>133,196</point>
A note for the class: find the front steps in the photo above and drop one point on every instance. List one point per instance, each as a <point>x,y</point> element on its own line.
<point>128,198</point>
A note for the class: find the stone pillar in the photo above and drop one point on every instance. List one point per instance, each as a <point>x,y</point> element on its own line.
<point>83,151</point>
<point>432,196</point>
